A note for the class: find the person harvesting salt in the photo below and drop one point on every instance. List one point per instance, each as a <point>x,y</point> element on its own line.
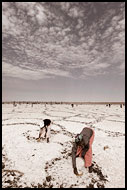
<point>82,147</point>
<point>45,130</point>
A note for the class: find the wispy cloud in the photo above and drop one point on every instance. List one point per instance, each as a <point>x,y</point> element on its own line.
<point>76,40</point>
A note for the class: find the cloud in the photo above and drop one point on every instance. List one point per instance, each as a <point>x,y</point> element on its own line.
<point>26,73</point>
<point>73,12</point>
<point>41,17</point>
<point>65,6</point>
<point>77,40</point>
<point>15,71</point>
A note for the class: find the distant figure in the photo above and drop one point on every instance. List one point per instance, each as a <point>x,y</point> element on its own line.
<point>45,130</point>
<point>82,147</point>
<point>109,105</point>
<point>121,105</point>
<point>72,105</point>
<point>106,104</point>
<point>14,104</point>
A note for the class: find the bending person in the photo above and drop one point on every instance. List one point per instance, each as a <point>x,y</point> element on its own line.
<point>45,130</point>
<point>82,147</point>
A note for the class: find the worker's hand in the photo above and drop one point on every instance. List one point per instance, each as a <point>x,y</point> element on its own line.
<point>38,140</point>
<point>75,171</point>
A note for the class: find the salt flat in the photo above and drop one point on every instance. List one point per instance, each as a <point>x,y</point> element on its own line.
<point>29,163</point>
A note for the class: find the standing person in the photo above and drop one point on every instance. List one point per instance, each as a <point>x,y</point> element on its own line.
<point>82,147</point>
<point>45,130</point>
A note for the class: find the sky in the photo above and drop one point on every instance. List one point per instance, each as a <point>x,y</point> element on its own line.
<point>63,51</point>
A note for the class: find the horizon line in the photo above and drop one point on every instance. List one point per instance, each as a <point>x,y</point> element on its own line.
<point>65,102</point>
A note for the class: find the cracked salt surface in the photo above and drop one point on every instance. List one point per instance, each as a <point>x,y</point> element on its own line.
<point>28,163</point>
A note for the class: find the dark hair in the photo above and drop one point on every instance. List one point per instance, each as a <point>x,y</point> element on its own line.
<point>47,122</point>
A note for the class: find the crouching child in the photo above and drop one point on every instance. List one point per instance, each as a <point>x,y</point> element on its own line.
<point>45,130</point>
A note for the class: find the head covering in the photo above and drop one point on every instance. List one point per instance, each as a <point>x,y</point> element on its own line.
<point>78,138</point>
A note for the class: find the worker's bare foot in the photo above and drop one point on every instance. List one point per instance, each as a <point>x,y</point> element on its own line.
<point>90,168</point>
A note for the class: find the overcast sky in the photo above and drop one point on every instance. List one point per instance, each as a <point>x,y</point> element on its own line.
<point>63,51</point>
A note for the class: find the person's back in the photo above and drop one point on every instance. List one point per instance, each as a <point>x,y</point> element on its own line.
<point>87,133</point>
